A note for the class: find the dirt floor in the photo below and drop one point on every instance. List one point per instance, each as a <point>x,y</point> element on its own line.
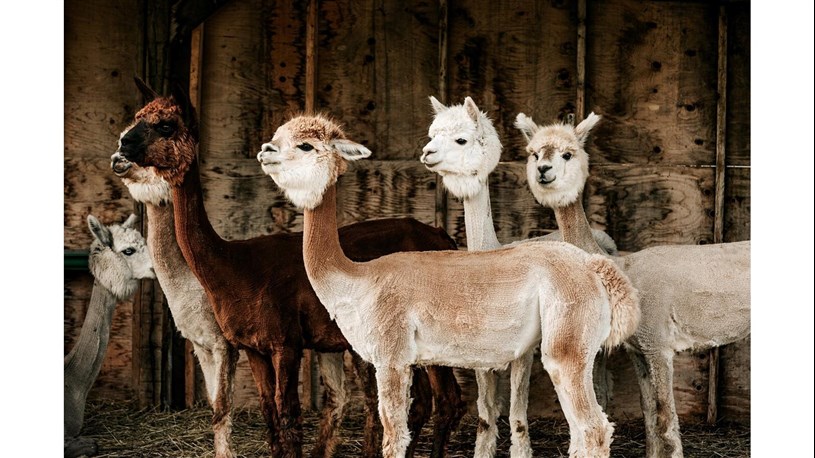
<point>122,430</point>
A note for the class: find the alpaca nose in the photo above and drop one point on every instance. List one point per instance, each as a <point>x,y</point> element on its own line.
<point>542,174</point>
<point>544,168</point>
<point>426,152</point>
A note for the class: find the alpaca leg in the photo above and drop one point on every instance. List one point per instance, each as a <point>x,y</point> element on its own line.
<point>287,376</point>
<point>667,422</point>
<point>519,380</point>
<point>264,375</point>
<point>218,366</point>
<point>332,374</point>
<point>449,407</point>
<point>487,433</point>
<point>226,362</point>
<point>421,407</point>
<point>602,380</point>
<point>366,374</point>
<point>589,429</point>
<point>393,386</point>
<point>653,446</point>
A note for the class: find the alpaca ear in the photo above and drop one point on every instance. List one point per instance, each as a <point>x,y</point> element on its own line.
<point>569,119</point>
<point>472,110</point>
<point>148,92</point>
<point>582,129</point>
<point>100,231</point>
<point>350,150</point>
<point>180,96</point>
<point>130,221</point>
<point>438,107</point>
<point>526,125</point>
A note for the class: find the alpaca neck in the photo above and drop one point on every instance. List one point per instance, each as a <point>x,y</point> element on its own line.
<point>327,266</point>
<point>83,363</point>
<point>201,246</point>
<point>478,222</point>
<point>574,227</point>
<point>171,268</point>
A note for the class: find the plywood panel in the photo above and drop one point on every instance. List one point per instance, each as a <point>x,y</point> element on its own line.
<point>513,57</point>
<point>734,391</point>
<point>651,72</point>
<point>648,205</point>
<point>738,83</point>
<point>386,189</point>
<point>376,76</point>
<point>737,205</point>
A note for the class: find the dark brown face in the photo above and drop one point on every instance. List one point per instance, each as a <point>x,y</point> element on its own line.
<point>159,138</point>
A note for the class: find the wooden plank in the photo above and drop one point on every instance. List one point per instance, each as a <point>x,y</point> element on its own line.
<point>515,212</point>
<point>738,84</point>
<point>385,189</point>
<point>514,57</point>
<point>719,193</point>
<point>651,205</point>
<point>737,203</point>
<point>580,96</point>
<point>189,14</point>
<point>734,394</point>
<point>649,67</point>
<point>375,76</point>
<point>441,192</point>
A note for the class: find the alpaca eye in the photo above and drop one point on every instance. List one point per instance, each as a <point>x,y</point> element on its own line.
<point>461,141</point>
<point>535,155</point>
<point>128,251</point>
<point>165,129</point>
<point>305,147</point>
<point>567,156</point>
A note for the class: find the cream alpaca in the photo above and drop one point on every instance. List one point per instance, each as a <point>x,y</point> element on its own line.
<point>693,297</point>
<point>118,259</point>
<point>464,149</point>
<point>399,310</point>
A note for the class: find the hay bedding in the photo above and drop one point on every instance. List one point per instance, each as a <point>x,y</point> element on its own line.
<point>122,430</point>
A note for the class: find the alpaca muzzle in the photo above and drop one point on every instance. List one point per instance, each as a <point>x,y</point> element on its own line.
<point>119,164</point>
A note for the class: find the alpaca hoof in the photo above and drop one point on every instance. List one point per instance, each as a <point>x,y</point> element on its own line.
<point>80,446</point>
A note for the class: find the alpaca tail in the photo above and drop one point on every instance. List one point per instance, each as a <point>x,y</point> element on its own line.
<point>623,298</point>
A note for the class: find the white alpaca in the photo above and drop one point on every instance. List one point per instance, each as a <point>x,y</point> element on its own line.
<point>193,314</point>
<point>464,149</point>
<point>693,297</point>
<point>402,309</point>
<point>118,259</point>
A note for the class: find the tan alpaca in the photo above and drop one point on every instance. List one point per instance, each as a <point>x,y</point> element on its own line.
<point>693,297</point>
<point>401,309</point>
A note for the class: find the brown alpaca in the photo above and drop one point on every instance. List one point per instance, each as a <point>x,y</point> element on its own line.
<point>261,295</point>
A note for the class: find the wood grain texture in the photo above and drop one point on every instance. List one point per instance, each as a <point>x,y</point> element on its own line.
<point>385,189</point>
<point>515,212</point>
<point>737,205</point>
<point>738,84</point>
<point>375,77</point>
<point>734,392</point>
<point>513,57</point>
<point>652,75</point>
<point>651,205</point>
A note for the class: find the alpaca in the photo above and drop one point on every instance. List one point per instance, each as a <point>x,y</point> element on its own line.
<point>259,292</point>
<point>118,259</point>
<point>401,309</point>
<point>464,149</point>
<point>693,297</point>
<point>186,298</point>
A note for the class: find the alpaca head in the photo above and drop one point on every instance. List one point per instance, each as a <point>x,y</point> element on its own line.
<point>558,165</point>
<point>118,256</point>
<point>144,183</point>
<point>464,147</point>
<point>306,155</point>
<point>162,135</point>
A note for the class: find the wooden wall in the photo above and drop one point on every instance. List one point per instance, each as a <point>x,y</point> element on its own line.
<point>650,70</point>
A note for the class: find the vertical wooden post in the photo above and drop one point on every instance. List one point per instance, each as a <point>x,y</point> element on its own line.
<point>718,220</point>
<point>441,193</point>
<point>309,383</point>
<point>580,95</point>
<point>196,63</point>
